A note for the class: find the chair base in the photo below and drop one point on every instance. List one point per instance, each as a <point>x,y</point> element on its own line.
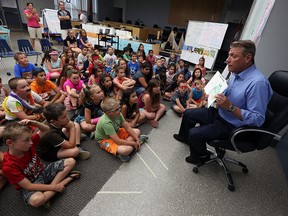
<point>220,158</point>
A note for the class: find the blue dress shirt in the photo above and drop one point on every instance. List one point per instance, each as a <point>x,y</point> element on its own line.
<point>250,91</point>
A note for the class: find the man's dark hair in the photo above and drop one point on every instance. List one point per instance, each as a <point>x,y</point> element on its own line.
<point>247,46</point>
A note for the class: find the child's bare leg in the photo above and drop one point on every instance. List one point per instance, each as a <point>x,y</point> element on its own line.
<point>193,106</point>
<point>54,75</point>
<point>137,131</point>
<point>87,127</point>
<point>39,198</point>
<point>168,94</point>
<point>67,153</point>
<point>61,98</point>
<point>177,109</point>
<point>74,100</point>
<point>141,118</point>
<point>203,103</point>
<point>150,116</point>
<point>125,150</point>
<point>78,133</point>
<point>160,112</point>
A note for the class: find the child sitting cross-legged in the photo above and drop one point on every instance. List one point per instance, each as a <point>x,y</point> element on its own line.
<point>23,168</point>
<point>114,134</point>
<point>130,109</point>
<point>150,101</point>
<point>63,138</point>
<point>121,82</point>
<point>44,87</point>
<point>180,98</point>
<point>90,110</point>
<point>197,96</point>
<point>73,86</point>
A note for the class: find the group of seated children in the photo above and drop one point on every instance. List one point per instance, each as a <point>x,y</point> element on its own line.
<point>106,98</point>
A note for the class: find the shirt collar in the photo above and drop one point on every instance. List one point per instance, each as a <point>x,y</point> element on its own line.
<point>244,73</point>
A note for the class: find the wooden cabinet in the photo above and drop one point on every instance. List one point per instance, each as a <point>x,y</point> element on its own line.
<point>181,11</point>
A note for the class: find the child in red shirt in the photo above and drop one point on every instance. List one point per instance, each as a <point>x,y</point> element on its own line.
<point>23,168</point>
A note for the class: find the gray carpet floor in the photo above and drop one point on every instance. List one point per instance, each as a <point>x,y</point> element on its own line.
<point>95,173</point>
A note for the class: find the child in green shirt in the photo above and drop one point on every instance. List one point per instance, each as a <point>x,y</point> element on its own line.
<point>114,134</point>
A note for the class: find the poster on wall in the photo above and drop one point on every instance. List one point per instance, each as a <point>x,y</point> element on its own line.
<point>203,39</point>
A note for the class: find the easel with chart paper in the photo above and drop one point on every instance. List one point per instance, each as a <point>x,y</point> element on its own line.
<point>203,39</point>
<point>51,22</point>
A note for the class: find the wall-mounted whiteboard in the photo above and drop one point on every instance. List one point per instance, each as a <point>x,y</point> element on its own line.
<point>51,20</point>
<point>203,39</point>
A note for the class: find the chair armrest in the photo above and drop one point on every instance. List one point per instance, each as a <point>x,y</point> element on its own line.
<point>248,129</point>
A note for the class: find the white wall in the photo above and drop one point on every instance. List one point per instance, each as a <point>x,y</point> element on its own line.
<point>272,48</point>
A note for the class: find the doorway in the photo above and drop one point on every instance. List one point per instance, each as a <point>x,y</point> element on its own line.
<point>10,14</point>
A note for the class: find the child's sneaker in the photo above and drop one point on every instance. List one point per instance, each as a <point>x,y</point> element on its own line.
<point>143,138</point>
<point>83,155</point>
<point>123,158</point>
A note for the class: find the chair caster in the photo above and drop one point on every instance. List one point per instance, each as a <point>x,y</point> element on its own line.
<point>195,170</point>
<point>8,73</point>
<point>245,170</point>
<point>231,187</point>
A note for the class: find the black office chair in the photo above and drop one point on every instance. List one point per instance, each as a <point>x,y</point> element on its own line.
<point>165,34</point>
<point>247,139</point>
<point>180,32</point>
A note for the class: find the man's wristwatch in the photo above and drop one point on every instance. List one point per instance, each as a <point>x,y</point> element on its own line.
<point>232,108</point>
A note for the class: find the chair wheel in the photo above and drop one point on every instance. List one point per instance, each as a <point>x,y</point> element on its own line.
<point>244,170</point>
<point>231,187</point>
<point>195,170</point>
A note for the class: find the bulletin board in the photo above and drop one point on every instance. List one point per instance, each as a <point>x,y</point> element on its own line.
<point>203,39</point>
<point>51,20</point>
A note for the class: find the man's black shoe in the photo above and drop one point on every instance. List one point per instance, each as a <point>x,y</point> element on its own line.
<point>192,160</point>
<point>179,138</point>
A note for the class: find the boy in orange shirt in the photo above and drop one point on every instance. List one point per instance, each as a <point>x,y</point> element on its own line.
<point>43,87</point>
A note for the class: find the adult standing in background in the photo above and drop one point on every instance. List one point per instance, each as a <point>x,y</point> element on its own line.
<point>33,25</point>
<point>65,19</point>
<point>83,18</point>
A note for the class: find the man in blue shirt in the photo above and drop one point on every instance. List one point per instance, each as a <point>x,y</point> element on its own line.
<point>244,102</point>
